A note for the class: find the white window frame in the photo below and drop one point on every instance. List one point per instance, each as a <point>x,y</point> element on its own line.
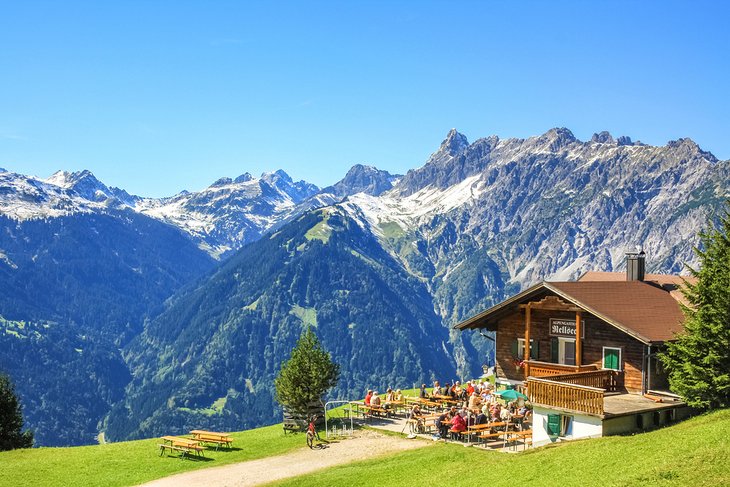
<point>561,349</point>
<point>566,425</point>
<point>520,348</point>
<point>620,357</point>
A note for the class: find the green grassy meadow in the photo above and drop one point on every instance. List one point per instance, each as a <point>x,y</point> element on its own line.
<point>131,462</point>
<point>693,453</point>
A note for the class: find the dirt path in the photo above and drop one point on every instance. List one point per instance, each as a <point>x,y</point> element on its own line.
<point>366,444</point>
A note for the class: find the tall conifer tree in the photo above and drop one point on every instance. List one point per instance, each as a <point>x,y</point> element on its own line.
<point>307,375</point>
<point>11,419</point>
<point>698,362</point>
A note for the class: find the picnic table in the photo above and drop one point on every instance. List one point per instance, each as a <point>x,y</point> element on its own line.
<point>185,446</point>
<point>512,437</point>
<point>212,437</point>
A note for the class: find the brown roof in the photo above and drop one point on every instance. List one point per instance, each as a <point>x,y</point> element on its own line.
<point>671,283</point>
<point>644,310</point>
<point>641,309</point>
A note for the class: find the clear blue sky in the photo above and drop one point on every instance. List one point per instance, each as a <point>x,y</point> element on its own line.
<point>156,97</point>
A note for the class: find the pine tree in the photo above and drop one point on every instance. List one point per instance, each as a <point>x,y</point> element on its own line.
<point>698,362</point>
<point>307,375</point>
<point>11,419</point>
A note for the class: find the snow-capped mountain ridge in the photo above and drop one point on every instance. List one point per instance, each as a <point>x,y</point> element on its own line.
<point>232,212</point>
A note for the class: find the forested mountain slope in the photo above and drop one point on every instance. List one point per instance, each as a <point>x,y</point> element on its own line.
<point>73,290</point>
<point>211,357</point>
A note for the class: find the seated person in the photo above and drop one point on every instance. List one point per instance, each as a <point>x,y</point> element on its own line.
<point>456,391</point>
<point>375,400</point>
<point>417,415</point>
<point>423,394</point>
<point>398,396</point>
<point>442,423</point>
<point>449,390</point>
<point>469,389</point>
<point>368,397</point>
<point>474,401</point>
<point>458,423</point>
<point>505,415</point>
<point>482,418</point>
<point>389,395</point>
<point>494,412</point>
<point>436,389</point>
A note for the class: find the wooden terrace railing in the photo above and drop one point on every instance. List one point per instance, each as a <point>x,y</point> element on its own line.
<point>574,397</point>
<point>543,369</point>
<point>601,379</point>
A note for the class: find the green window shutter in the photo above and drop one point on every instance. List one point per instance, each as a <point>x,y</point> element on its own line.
<point>610,359</point>
<point>553,424</point>
<point>514,349</point>
<point>534,349</point>
<point>554,350</point>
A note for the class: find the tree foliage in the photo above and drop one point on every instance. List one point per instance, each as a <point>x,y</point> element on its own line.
<point>698,362</point>
<point>11,419</point>
<point>307,375</point>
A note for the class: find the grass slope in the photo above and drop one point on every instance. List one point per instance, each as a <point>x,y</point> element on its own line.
<point>690,453</point>
<point>130,462</point>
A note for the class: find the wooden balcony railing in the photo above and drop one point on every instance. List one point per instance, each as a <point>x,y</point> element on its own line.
<point>543,369</point>
<point>573,397</point>
<point>601,379</point>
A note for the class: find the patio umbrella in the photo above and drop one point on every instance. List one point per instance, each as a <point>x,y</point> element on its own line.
<point>511,395</point>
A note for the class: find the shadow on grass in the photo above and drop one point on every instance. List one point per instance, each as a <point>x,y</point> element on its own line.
<point>195,458</point>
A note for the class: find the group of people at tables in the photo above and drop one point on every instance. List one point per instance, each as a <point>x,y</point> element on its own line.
<point>476,404</point>
<point>392,399</point>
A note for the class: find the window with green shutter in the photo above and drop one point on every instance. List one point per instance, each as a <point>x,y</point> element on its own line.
<point>553,424</point>
<point>534,349</point>
<point>554,350</point>
<point>611,358</point>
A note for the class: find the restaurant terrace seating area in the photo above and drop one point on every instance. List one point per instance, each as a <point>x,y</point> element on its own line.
<point>487,417</point>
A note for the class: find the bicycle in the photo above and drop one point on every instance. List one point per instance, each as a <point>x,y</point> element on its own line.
<point>312,432</point>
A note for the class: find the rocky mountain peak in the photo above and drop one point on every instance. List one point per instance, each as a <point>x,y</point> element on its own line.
<point>690,147</point>
<point>221,182</point>
<point>243,178</point>
<point>603,137</point>
<point>297,191</point>
<point>84,183</point>
<point>557,138</point>
<point>362,179</point>
<point>454,143</point>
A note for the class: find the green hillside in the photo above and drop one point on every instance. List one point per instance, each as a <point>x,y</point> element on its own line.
<point>690,453</point>
<point>130,462</point>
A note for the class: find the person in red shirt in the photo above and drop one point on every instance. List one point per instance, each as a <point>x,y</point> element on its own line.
<point>469,389</point>
<point>458,423</point>
<point>368,397</point>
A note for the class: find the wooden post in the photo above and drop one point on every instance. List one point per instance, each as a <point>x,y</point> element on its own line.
<point>578,341</point>
<point>526,357</point>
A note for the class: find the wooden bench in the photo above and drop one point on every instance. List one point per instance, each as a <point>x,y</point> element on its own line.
<point>376,411</point>
<point>217,439</point>
<point>183,445</point>
<point>292,425</point>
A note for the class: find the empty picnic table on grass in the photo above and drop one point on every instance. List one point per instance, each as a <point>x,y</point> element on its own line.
<point>212,437</point>
<point>512,437</point>
<point>185,446</point>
